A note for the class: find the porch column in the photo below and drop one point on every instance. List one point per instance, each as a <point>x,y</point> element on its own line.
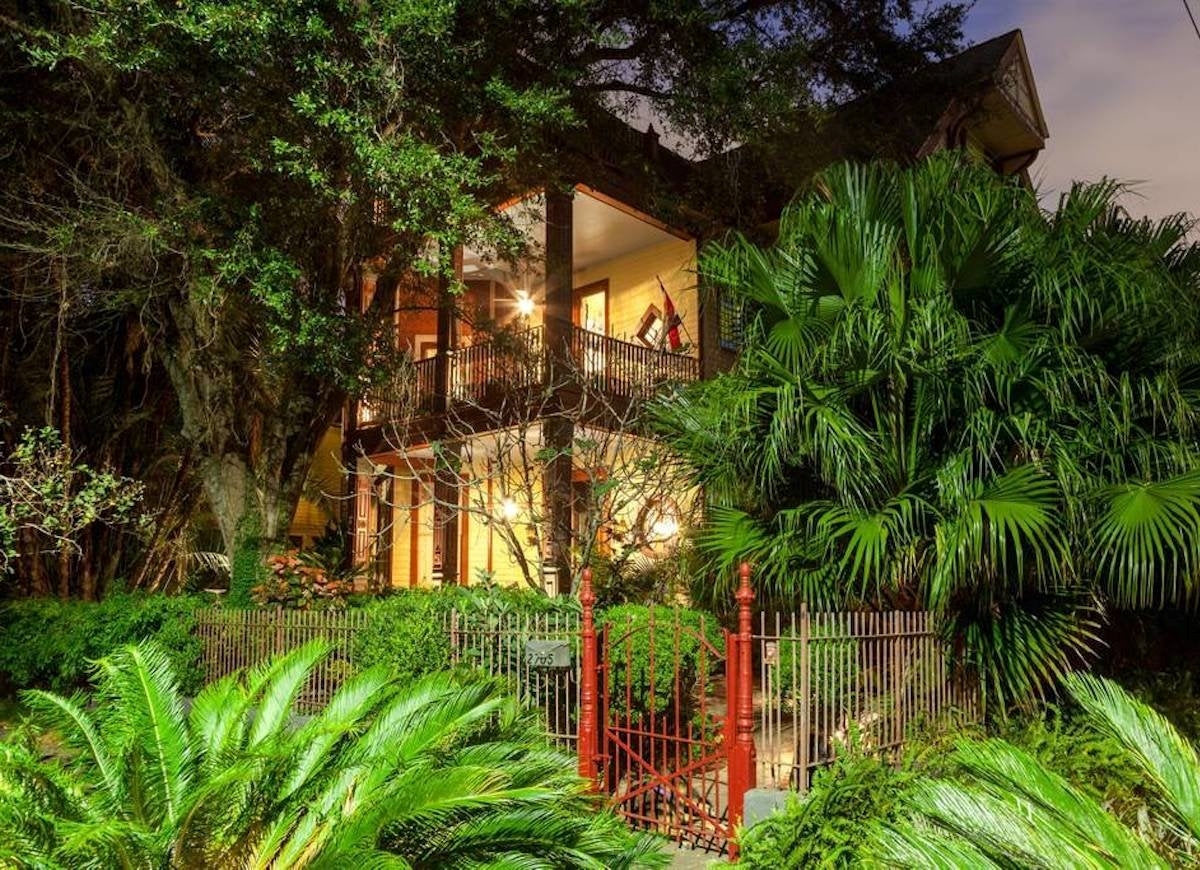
<point>446,312</point>
<point>361,514</point>
<point>447,500</point>
<point>558,429</point>
<point>445,473</point>
<point>560,267</point>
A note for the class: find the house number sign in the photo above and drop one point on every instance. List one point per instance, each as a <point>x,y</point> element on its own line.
<point>547,654</point>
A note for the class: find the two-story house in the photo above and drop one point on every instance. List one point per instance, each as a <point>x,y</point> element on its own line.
<point>610,300</point>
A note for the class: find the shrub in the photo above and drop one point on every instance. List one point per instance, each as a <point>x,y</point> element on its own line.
<point>299,581</point>
<point>641,683</point>
<point>827,827</point>
<point>1096,763</point>
<point>49,643</point>
<point>407,632</point>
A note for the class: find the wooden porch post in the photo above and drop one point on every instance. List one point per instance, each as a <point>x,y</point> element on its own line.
<point>742,761</point>
<point>446,477</point>
<point>558,430</point>
<point>446,312</point>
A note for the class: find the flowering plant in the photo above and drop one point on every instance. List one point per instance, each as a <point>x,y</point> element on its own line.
<point>298,582</point>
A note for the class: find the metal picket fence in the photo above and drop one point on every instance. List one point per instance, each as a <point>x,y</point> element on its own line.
<point>235,639</point>
<point>496,643</point>
<point>831,678</point>
<point>789,693</point>
<point>539,656</point>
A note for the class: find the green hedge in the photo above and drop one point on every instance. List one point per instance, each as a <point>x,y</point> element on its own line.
<point>48,644</point>
<point>408,629</point>
<point>408,632</point>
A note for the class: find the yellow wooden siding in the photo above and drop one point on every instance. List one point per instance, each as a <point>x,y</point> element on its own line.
<point>325,476</point>
<point>633,287</point>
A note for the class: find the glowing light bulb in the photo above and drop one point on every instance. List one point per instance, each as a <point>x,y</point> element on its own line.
<point>509,509</point>
<point>524,304</point>
<point>666,527</point>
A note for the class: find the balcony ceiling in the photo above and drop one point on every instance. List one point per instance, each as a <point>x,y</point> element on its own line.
<point>601,232</point>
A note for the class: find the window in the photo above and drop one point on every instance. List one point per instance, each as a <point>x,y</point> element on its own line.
<point>650,330</point>
<point>732,327</point>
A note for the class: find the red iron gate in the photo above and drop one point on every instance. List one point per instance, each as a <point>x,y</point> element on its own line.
<point>666,721</point>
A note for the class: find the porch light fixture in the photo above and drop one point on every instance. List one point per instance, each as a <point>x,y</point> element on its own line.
<point>524,304</point>
<point>666,527</point>
<point>660,521</point>
<point>509,510</point>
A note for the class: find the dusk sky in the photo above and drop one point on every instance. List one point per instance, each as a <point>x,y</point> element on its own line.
<point>1119,82</point>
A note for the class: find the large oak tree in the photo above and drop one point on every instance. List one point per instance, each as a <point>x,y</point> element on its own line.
<point>203,182</point>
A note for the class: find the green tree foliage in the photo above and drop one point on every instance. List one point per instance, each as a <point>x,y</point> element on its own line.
<point>435,773</point>
<point>1005,809</point>
<point>51,498</point>
<point>201,185</point>
<point>958,401</point>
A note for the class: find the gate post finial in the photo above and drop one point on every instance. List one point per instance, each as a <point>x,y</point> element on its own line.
<point>742,772</point>
<point>588,702</point>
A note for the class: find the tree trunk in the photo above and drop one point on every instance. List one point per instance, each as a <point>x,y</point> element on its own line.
<point>253,439</point>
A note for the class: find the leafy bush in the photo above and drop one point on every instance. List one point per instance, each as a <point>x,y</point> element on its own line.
<point>999,805</point>
<point>1065,742</point>
<point>646,643</point>
<point>300,581</point>
<point>826,828</point>
<point>49,643</point>
<point>406,632</point>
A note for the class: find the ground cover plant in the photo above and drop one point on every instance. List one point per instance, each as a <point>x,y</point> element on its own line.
<point>1001,807</point>
<point>438,772</point>
<point>1039,789</point>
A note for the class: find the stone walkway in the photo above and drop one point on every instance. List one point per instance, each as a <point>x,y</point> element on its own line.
<point>691,859</point>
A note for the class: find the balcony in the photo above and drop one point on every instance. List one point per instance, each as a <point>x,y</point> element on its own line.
<point>485,374</point>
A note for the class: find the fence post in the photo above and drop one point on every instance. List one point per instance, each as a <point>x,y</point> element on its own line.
<point>742,753</point>
<point>588,702</point>
<point>803,703</point>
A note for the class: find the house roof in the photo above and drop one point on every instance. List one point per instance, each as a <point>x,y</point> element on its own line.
<point>983,97</point>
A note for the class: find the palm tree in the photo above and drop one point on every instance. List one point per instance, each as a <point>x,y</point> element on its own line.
<point>437,773</point>
<point>1006,810</point>
<point>949,398</point>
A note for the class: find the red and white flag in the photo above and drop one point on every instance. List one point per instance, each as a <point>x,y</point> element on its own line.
<point>671,320</point>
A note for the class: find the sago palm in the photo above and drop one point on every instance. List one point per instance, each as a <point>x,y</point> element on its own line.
<point>949,398</point>
<point>438,773</point>
<point>1004,809</point>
